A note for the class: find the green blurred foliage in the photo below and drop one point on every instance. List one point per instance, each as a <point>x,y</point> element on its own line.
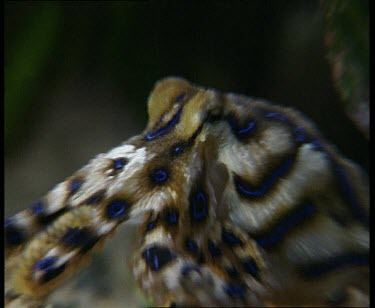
<point>269,49</point>
<point>347,38</point>
<point>25,60</point>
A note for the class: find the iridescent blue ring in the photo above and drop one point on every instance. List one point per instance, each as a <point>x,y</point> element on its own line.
<point>116,209</point>
<point>159,176</point>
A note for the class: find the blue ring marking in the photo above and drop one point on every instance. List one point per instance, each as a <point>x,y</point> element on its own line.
<point>159,176</point>
<point>157,257</point>
<point>298,131</point>
<point>334,263</point>
<point>95,199</point>
<point>300,134</point>
<point>250,267</point>
<point>316,145</point>
<point>191,245</point>
<point>215,251</point>
<point>53,273</point>
<point>238,131</point>
<point>14,236</point>
<point>119,163</point>
<point>45,264</point>
<point>170,124</point>
<point>151,225</point>
<point>196,133</point>
<point>8,222</point>
<point>247,129</point>
<point>287,223</point>
<point>186,269</point>
<point>180,98</point>
<point>198,206</point>
<point>37,207</point>
<point>267,184</point>
<point>278,116</point>
<point>354,205</point>
<point>76,236</point>
<point>75,185</point>
<point>117,209</point>
<point>230,239</point>
<point>171,216</point>
<point>179,148</point>
<point>235,290</point>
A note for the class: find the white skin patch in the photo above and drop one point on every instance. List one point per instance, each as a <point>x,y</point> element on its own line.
<point>56,198</point>
<point>136,161</point>
<point>125,150</point>
<point>106,228</point>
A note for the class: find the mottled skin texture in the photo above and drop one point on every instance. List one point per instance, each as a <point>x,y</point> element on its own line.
<point>239,202</point>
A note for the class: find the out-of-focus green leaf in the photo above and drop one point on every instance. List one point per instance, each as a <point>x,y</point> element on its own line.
<point>24,63</point>
<point>347,39</point>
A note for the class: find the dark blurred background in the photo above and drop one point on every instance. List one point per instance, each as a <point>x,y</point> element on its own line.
<point>77,77</point>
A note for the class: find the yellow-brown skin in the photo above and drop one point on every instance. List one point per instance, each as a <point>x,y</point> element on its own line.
<point>218,152</point>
